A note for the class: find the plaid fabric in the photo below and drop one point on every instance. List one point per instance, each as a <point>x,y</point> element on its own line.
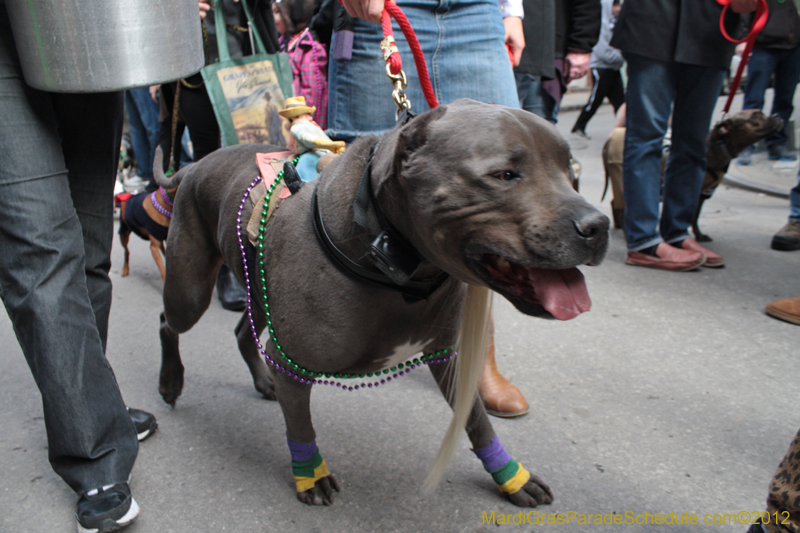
<point>309,61</point>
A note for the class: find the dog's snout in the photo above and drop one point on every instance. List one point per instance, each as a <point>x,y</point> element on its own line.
<point>591,225</point>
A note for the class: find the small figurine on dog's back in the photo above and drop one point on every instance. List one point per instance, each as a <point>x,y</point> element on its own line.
<point>458,210</point>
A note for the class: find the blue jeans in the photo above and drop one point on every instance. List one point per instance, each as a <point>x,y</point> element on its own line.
<point>465,53</point>
<point>58,159</point>
<point>655,89</point>
<point>794,201</point>
<point>143,120</point>
<point>763,63</point>
<point>533,97</point>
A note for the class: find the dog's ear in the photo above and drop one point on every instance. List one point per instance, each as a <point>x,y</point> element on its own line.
<point>415,134</point>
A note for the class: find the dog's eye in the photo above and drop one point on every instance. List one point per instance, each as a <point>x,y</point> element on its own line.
<point>506,175</point>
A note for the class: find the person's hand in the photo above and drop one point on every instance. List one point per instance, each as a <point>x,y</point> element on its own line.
<point>204,7</point>
<point>154,92</point>
<point>515,37</point>
<point>576,65</point>
<point>740,49</point>
<point>369,10</point>
<point>744,6</point>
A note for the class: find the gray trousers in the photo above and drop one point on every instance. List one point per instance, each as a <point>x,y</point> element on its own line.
<point>58,158</point>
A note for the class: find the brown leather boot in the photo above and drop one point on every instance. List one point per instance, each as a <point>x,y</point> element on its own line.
<point>500,397</point>
<point>787,309</point>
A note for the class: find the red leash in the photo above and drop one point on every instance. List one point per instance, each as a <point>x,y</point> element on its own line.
<point>394,63</point>
<point>762,13</point>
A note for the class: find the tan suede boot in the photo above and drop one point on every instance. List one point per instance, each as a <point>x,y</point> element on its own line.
<point>787,309</point>
<point>500,397</point>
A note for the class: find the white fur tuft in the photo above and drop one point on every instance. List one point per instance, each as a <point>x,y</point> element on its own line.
<point>472,346</point>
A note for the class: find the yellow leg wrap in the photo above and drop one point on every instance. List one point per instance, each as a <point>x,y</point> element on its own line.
<point>306,483</point>
<point>517,481</point>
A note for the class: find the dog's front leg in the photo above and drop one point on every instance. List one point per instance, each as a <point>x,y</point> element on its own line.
<point>522,488</point>
<point>249,350</point>
<point>315,484</point>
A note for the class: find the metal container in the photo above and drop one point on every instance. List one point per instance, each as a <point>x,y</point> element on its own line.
<point>105,45</point>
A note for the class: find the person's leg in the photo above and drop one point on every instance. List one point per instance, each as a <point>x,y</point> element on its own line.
<point>91,440</point>
<point>139,140</point>
<point>651,90</point>
<point>787,75</point>
<point>616,90</point>
<point>90,126</point>
<point>533,97</point>
<point>787,238</point>
<point>697,92</point>
<point>143,120</point>
<point>599,88</point>
<point>794,201</point>
<point>760,67</point>
<point>197,113</point>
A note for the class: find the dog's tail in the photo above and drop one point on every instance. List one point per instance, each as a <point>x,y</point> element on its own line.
<point>158,172</point>
<point>472,346</point>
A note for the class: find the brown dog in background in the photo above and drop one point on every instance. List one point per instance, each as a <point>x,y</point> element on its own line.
<point>726,140</point>
<point>148,215</point>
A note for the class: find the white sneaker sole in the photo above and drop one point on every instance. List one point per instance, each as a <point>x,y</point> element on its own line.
<point>129,517</point>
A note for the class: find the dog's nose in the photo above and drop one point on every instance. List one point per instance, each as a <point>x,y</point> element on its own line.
<point>591,224</point>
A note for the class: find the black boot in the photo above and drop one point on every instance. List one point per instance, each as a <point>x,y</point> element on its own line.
<point>229,291</point>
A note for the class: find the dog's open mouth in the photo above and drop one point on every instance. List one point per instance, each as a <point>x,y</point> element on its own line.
<point>560,293</point>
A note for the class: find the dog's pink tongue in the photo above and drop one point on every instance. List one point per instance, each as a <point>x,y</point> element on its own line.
<point>562,292</point>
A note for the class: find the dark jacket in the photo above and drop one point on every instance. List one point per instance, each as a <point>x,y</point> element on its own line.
<point>553,28</point>
<point>239,42</point>
<point>782,30</point>
<point>577,26</point>
<point>539,26</point>
<point>681,31</point>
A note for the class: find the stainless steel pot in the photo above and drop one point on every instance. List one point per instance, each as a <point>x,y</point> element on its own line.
<point>105,45</point>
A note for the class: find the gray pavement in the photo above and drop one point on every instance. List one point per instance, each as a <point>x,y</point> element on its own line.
<point>675,394</point>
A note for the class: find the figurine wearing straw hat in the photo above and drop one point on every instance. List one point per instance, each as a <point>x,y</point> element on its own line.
<point>312,143</point>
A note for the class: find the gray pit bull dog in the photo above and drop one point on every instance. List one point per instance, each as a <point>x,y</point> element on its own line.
<point>470,196</point>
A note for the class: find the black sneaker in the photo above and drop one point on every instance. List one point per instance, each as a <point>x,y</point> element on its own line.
<point>144,422</point>
<point>106,509</point>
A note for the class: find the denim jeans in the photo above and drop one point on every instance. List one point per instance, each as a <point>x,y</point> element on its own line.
<point>794,201</point>
<point>462,41</point>
<point>763,63</point>
<point>655,89</point>
<point>58,158</point>
<point>533,97</point>
<point>143,120</point>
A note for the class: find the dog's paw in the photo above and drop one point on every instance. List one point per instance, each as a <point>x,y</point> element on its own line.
<point>266,387</point>
<point>322,493</point>
<point>170,384</point>
<point>533,493</point>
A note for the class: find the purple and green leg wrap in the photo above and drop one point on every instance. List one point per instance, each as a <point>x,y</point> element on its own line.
<point>509,475</point>
<point>308,466</point>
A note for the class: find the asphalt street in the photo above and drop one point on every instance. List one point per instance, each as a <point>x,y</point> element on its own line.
<point>675,394</point>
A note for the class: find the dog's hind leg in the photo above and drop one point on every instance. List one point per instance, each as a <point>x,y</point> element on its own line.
<point>189,284</point>
<point>249,350</point>
<point>517,484</point>
<point>124,237</point>
<point>170,380</point>
<point>315,484</point>
<point>155,249</point>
